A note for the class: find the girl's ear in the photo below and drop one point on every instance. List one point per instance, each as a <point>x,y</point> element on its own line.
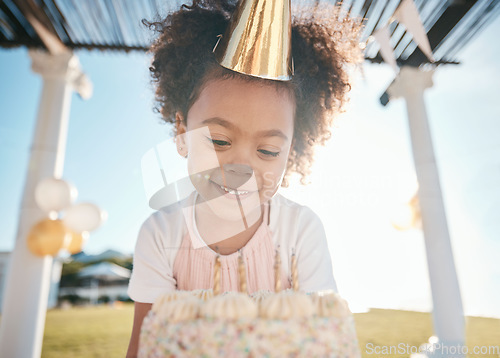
<point>180,138</point>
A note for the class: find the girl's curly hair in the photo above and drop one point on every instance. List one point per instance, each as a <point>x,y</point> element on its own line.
<point>323,44</point>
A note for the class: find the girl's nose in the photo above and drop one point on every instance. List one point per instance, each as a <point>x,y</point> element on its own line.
<point>236,175</point>
<point>236,168</point>
<point>238,159</point>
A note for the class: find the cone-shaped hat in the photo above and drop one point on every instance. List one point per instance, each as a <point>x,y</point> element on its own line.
<point>257,41</point>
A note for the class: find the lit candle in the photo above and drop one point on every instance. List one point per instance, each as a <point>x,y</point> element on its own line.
<point>295,273</point>
<point>242,274</point>
<point>217,275</point>
<point>277,271</point>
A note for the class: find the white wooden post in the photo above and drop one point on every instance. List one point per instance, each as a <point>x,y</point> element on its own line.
<point>449,324</point>
<point>55,280</point>
<point>28,276</point>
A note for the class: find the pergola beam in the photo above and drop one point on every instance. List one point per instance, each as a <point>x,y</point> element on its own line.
<point>443,26</point>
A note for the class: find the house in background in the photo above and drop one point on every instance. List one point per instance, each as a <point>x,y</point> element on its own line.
<point>97,278</point>
<point>100,282</point>
<point>108,255</point>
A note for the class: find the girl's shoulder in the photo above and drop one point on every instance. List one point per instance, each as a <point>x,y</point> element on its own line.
<point>290,219</point>
<point>168,221</point>
<point>284,209</point>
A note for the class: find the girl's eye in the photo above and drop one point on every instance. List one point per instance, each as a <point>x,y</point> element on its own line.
<point>269,153</point>
<point>218,142</point>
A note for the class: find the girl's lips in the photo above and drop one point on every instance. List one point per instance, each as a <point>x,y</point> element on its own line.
<point>231,193</point>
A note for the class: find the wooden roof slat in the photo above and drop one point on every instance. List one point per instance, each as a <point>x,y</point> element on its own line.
<point>406,38</point>
<point>451,16</point>
<point>429,18</point>
<point>57,21</point>
<point>5,28</point>
<point>116,24</point>
<point>393,27</point>
<point>118,36</point>
<point>379,18</point>
<point>486,16</point>
<point>80,27</point>
<point>93,18</point>
<point>62,19</point>
<point>435,14</point>
<point>18,22</point>
<point>130,8</point>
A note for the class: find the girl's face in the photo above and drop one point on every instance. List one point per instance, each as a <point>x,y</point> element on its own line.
<point>238,136</point>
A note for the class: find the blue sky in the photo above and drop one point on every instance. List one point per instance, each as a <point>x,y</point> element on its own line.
<point>365,169</point>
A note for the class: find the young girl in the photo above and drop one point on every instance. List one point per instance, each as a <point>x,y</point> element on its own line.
<point>242,137</point>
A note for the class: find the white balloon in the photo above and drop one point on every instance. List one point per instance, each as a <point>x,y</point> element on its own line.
<point>84,217</point>
<point>53,194</point>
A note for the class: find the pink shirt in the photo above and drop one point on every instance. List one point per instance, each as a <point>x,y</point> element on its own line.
<point>165,258</point>
<point>194,268</point>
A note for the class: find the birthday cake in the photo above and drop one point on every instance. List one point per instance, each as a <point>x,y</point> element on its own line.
<point>290,323</point>
<point>266,324</point>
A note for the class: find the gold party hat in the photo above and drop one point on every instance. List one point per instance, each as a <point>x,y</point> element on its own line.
<point>257,41</point>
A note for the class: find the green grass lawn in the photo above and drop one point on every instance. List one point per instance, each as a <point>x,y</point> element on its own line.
<point>105,331</point>
<point>382,327</point>
<point>100,331</point>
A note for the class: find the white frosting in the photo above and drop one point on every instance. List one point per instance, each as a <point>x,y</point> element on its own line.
<point>184,305</point>
<point>232,305</point>
<point>287,305</point>
<point>169,297</point>
<point>259,296</point>
<point>180,310</point>
<point>228,325</point>
<point>330,305</point>
<point>203,295</point>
